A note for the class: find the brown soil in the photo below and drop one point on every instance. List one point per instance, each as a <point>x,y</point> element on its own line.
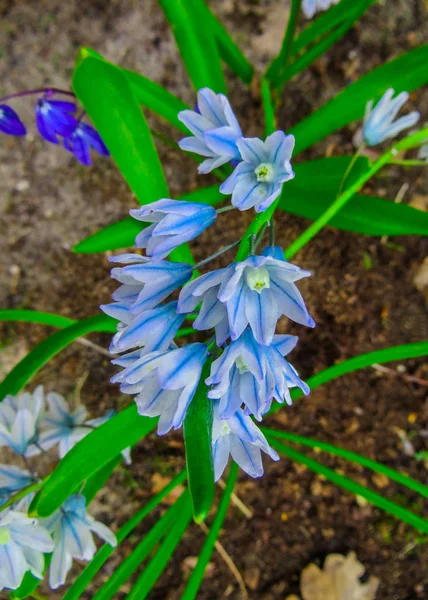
<point>362,295</point>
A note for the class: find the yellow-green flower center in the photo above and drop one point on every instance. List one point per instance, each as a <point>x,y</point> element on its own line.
<point>264,172</point>
<point>257,278</point>
<point>4,536</point>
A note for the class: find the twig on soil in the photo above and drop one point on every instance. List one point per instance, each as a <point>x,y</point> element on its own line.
<point>229,562</point>
<point>237,501</point>
<point>410,378</point>
<point>90,344</point>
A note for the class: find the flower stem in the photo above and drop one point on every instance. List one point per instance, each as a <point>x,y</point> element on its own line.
<point>215,255</point>
<point>268,109</point>
<point>350,166</point>
<point>37,91</point>
<point>409,142</point>
<point>224,209</point>
<point>408,163</point>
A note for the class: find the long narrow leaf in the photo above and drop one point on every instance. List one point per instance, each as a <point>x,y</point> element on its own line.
<point>352,486</point>
<point>198,572</point>
<point>88,456</point>
<point>404,352</point>
<point>407,72</point>
<point>154,569</point>
<point>378,467</point>
<point>196,43</point>
<point>21,374</point>
<point>35,316</point>
<point>82,581</point>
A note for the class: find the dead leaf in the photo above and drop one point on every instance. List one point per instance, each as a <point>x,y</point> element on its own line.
<point>338,580</point>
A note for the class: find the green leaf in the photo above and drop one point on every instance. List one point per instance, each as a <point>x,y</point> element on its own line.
<point>229,50</point>
<point>131,563</point>
<point>107,97</point>
<point>197,575</point>
<point>316,185</point>
<point>35,316</point>
<point>88,456</point>
<point>406,72</point>
<point>122,234</point>
<point>198,442</point>
<point>88,574</point>
<point>196,42</point>
<point>29,583</point>
<point>403,352</point>
<point>98,480</point>
<point>352,486</point>
<point>378,467</point>
<point>154,569</point>
<point>43,352</point>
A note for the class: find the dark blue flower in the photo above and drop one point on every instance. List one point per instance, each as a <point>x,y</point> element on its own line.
<point>10,123</point>
<point>53,118</point>
<point>80,142</point>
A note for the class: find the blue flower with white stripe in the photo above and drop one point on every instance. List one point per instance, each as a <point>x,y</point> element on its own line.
<point>23,542</point>
<point>152,330</point>
<point>253,375</point>
<point>310,7</point>
<point>82,140</point>
<point>12,479</point>
<point>379,124</point>
<point>164,382</point>
<point>215,130</point>
<point>145,284</point>
<point>254,292</point>
<point>55,118</point>
<point>239,437</point>
<point>20,418</point>
<point>71,528</point>
<point>174,223</point>
<point>257,180</point>
<point>10,123</point>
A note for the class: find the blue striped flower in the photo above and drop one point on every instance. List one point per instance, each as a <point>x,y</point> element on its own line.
<point>71,528</point>
<point>19,421</point>
<point>165,382</point>
<point>379,124</point>
<point>253,375</point>
<point>254,292</point>
<point>174,223</point>
<point>10,123</point>
<point>55,118</point>
<point>12,479</point>
<point>215,130</point>
<point>310,7</point>
<point>239,437</point>
<point>23,541</point>
<point>265,166</point>
<point>81,140</point>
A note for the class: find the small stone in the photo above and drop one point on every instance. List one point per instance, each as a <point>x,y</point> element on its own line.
<point>380,480</point>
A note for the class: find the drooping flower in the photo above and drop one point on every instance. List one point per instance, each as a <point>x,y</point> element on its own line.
<point>54,118</point>
<point>144,284</point>
<point>215,130</point>
<point>265,166</point>
<point>71,528</point>
<point>174,222</point>
<point>12,479</point>
<point>254,375</point>
<point>152,330</point>
<point>379,124</point>
<point>22,544</point>
<point>19,421</point>
<point>81,140</point>
<point>255,292</point>
<point>240,437</point>
<point>165,382</point>
<point>10,123</point>
<point>310,7</point>
<point>64,426</point>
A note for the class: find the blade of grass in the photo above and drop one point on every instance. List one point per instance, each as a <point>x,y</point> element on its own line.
<point>87,575</point>
<point>198,572</point>
<point>154,569</point>
<point>35,316</point>
<point>352,486</point>
<point>401,478</point>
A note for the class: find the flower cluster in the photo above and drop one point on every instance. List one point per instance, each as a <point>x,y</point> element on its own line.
<point>56,121</point>
<point>241,303</point>
<point>31,424</point>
